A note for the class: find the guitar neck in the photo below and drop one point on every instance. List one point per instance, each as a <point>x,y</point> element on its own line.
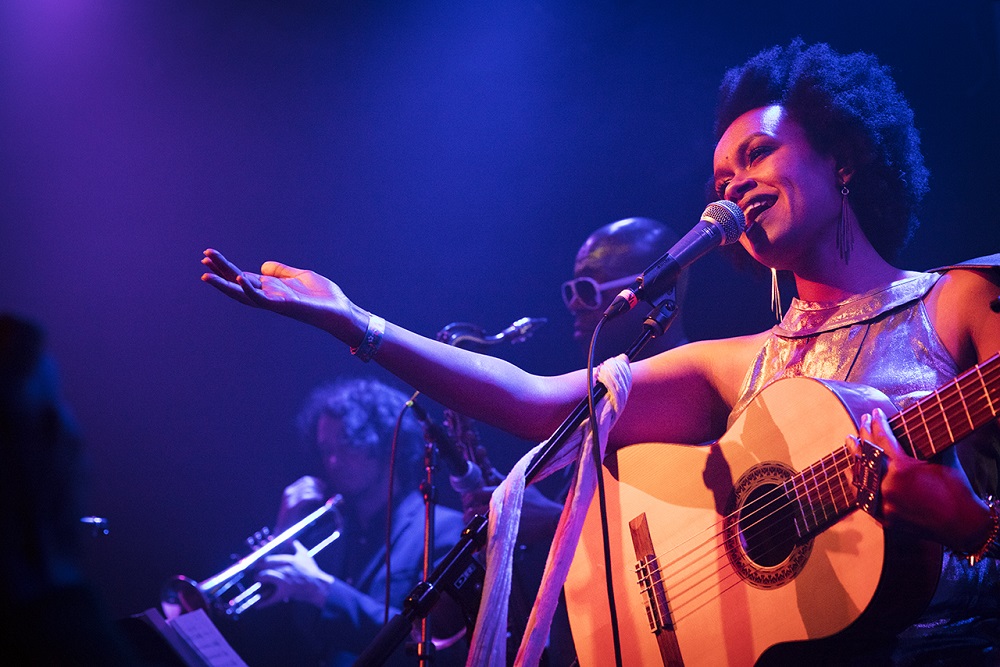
<point>823,492</point>
<point>954,411</point>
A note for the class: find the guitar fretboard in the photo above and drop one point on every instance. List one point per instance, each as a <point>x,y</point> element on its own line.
<point>822,492</point>
<point>941,419</point>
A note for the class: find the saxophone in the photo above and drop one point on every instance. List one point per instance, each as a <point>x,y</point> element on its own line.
<point>463,436</point>
<point>460,428</point>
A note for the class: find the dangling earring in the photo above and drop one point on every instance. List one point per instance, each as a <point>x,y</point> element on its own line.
<point>775,294</point>
<point>845,230</point>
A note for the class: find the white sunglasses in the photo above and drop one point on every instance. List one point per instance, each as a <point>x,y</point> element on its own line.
<point>586,291</point>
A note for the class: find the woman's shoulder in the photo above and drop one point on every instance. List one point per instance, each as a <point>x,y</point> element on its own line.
<point>970,285</point>
<point>963,306</point>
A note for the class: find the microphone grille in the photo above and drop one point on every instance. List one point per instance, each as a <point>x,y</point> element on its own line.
<point>729,217</point>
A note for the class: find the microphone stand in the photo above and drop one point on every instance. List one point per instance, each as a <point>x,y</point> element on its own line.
<point>459,574</point>
<point>425,649</point>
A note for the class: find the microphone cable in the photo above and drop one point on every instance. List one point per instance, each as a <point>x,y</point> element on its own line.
<point>602,500</point>
<point>389,509</point>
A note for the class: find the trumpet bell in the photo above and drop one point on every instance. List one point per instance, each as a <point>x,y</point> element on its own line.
<point>180,595</point>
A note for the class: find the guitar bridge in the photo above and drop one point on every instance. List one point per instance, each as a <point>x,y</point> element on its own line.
<point>654,593</point>
<point>869,468</point>
<point>651,587</point>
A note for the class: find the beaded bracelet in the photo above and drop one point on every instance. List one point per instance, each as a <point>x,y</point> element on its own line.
<point>373,338</point>
<point>990,546</point>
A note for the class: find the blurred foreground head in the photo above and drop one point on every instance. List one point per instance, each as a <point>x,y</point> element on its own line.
<point>40,466</point>
<point>52,613</point>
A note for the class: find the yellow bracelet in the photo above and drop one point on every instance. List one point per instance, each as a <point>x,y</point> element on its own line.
<point>990,545</point>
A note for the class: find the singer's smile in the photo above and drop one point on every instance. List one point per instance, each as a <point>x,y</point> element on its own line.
<point>756,206</point>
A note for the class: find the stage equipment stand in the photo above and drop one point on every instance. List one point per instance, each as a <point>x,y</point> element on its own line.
<point>459,574</point>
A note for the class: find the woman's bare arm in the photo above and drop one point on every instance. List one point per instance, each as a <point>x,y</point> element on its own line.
<point>682,395</point>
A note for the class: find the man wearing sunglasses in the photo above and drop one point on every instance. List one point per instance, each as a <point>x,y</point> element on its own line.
<point>609,260</point>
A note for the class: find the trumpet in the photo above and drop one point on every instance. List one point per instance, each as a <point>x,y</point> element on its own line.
<point>232,591</point>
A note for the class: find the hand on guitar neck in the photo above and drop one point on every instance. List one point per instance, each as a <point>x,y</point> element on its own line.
<point>915,493</point>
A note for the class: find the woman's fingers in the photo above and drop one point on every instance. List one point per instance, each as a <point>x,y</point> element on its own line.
<point>253,288</point>
<point>219,265</point>
<point>279,270</point>
<point>230,289</point>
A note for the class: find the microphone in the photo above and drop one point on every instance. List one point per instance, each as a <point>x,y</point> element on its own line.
<point>465,476</point>
<point>721,223</point>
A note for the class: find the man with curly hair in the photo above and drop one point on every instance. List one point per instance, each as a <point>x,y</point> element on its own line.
<point>819,151</point>
<point>329,608</point>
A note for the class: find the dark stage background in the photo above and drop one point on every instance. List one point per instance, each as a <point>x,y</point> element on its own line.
<point>441,160</point>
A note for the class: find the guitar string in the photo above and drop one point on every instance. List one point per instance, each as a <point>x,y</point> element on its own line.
<point>684,596</point>
<point>926,447</point>
<point>946,395</point>
<point>975,376</point>
<point>681,594</point>
<point>732,578</point>
<point>837,465</point>
<point>765,503</point>
<point>900,419</point>
<point>779,491</point>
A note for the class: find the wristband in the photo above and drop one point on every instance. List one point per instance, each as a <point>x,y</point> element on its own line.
<point>373,338</point>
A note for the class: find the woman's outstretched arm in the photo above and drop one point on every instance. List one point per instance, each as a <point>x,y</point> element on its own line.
<point>485,388</point>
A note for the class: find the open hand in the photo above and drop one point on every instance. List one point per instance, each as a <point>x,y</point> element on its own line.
<point>297,293</point>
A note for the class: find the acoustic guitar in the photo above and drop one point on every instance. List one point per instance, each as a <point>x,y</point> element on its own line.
<point>751,550</point>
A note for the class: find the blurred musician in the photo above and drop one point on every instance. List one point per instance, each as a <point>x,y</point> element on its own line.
<point>608,261</point>
<point>326,610</point>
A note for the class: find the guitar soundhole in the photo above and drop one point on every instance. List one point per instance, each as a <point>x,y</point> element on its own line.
<point>761,540</point>
<point>766,526</point>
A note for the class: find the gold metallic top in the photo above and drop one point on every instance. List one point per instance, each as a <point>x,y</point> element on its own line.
<point>883,339</point>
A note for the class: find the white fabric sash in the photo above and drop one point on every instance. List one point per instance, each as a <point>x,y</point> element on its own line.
<point>489,640</point>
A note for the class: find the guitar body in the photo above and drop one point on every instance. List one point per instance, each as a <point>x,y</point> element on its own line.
<point>737,594</point>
